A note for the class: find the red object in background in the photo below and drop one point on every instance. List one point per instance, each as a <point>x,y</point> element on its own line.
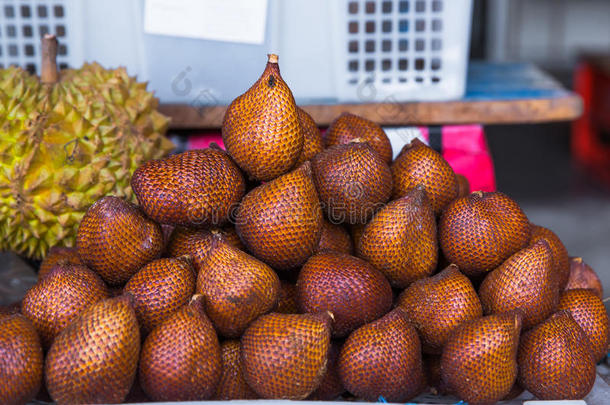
<point>463,146</point>
<point>591,132</point>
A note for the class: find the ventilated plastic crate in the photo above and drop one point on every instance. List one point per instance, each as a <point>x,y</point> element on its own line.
<point>330,50</point>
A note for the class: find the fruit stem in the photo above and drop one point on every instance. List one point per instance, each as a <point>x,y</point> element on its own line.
<point>49,73</point>
<point>272,58</point>
<point>478,193</point>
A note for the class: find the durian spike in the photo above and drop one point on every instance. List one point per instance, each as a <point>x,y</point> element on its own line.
<point>49,73</point>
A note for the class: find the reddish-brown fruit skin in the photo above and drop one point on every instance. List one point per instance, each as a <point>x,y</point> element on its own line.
<point>312,138</point>
<point>330,387</point>
<point>280,222</point>
<point>589,312</point>
<point>583,276</point>
<point>526,281</point>
<point>401,239</point>
<point>438,304</point>
<point>181,359</point>
<point>480,231</point>
<point>327,282</point>
<point>555,359</point>
<point>261,128</point>
<point>287,301</point>
<point>561,261</point>
<point>348,127</point>
<point>335,237</point>
<point>115,239</point>
<point>57,255</point>
<point>463,185</point>
<point>419,164</point>
<point>383,358</point>
<point>159,289</point>
<point>21,362</point>
<point>194,188</point>
<point>95,358</point>
<point>479,361</point>
<point>352,182</point>
<point>59,298</point>
<point>285,355</point>
<point>237,288</point>
<point>232,384</point>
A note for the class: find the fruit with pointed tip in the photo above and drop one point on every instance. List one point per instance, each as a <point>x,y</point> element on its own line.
<point>561,261</point>
<point>116,239</point>
<point>416,164</point>
<point>285,355</point>
<point>195,188</point>
<point>95,358</point>
<point>590,314</point>
<point>348,127</point>
<point>479,361</point>
<point>383,358</point>
<point>328,282</point>
<point>261,128</point>
<point>527,282</point>
<point>59,298</point>
<point>353,182</point>
<point>555,359</point>
<point>159,289</point>
<point>480,231</point>
<point>280,222</point>
<point>236,287</point>
<point>400,240</point>
<point>181,358</point>
<point>449,300</point>
<point>583,276</point>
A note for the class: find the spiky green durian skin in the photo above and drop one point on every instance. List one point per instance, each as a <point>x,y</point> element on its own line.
<point>65,145</point>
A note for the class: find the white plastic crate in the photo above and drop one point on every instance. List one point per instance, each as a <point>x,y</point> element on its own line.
<point>401,50</point>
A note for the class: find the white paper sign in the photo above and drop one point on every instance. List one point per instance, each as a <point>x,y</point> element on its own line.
<point>221,20</point>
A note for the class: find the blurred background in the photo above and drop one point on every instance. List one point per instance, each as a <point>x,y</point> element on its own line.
<point>536,74</point>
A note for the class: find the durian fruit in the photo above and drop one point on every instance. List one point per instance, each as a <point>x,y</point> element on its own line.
<point>66,140</point>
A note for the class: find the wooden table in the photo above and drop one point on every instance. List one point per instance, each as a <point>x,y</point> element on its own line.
<point>495,94</point>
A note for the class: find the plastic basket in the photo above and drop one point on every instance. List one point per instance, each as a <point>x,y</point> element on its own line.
<point>330,50</point>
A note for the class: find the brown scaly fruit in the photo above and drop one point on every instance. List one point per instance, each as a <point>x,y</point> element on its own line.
<point>181,358</point>
<point>58,299</point>
<point>196,243</point>
<point>280,222</point>
<point>331,386</point>
<point>312,138</point>
<point>261,128</point>
<point>401,240</point>
<point>479,361</point>
<point>437,305</point>
<point>463,185</point>
<point>527,282</point>
<point>416,164</point>
<point>57,255</point>
<point>561,261</point>
<point>348,127</point>
<point>237,288</point>
<point>287,299</point>
<point>232,385</point>
<point>21,362</point>
<point>95,358</point>
<point>383,358</point>
<point>285,355</point>
<point>480,231</point>
<point>159,289</point>
<point>556,360</point>
<point>335,237</point>
<point>589,312</point>
<point>195,188</point>
<point>583,276</point>
<point>352,181</point>
<point>115,239</point>
<point>327,282</point>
